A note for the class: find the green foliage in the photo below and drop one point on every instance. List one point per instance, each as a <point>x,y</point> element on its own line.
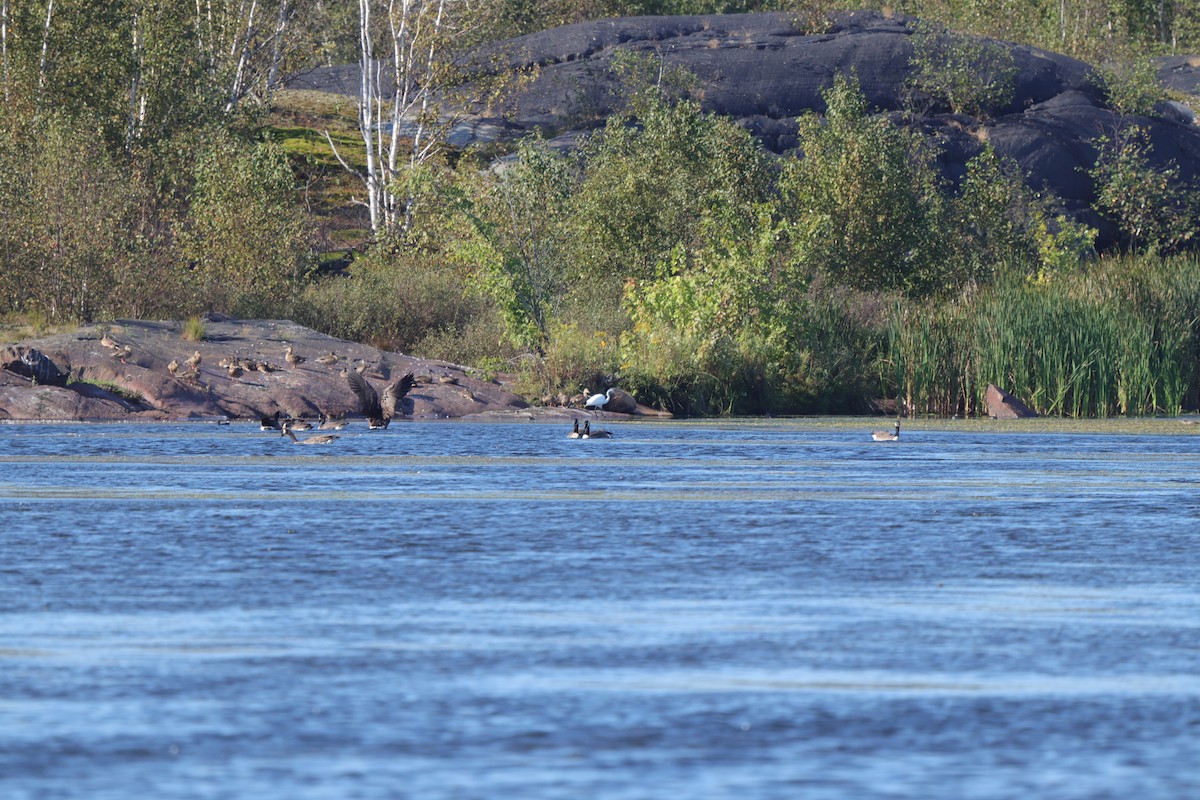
<point>1121,338</point>
<point>518,253</point>
<point>646,187</point>
<point>647,81</point>
<point>194,329</point>
<point>400,300</point>
<point>243,236</point>
<point>862,205</point>
<point>1004,228</point>
<point>578,358</point>
<point>1131,87</point>
<point>700,325</point>
<point>66,210</point>
<point>1153,211</point>
<point>971,75</point>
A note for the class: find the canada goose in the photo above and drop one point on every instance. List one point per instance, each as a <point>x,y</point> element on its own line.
<point>887,436</point>
<point>235,371</point>
<point>322,438</point>
<point>575,433</point>
<point>292,358</point>
<point>329,359</point>
<point>599,433</point>
<point>270,423</point>
<point>123,353</point>
<point>327,424</point>
<point>296,424</point>
<point>378,412</point>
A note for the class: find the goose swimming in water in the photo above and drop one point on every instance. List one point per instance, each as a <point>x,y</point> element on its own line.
<point>379,412</point>
<point>270,423</point>
<point>323,438</point>
<point>324,423</point>
<point>575,432</point>
<point>887,436</point>
<point>599,433</point>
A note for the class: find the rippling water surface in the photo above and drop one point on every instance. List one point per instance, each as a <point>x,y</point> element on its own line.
<point>454,610</point>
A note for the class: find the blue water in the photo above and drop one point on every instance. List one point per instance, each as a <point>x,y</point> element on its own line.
<point>454,610</point>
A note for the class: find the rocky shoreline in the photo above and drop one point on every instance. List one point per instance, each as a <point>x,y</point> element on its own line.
<point>135,370</point>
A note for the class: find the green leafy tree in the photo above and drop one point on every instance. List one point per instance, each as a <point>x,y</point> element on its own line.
<point>243,236</point>
<point>1003,226</point>
<point>862,204</point>
<point>649,181</point>
<point>63,239</point>
<point>518,250</point>
<point>1131,87</point>
<point>1154,212</point>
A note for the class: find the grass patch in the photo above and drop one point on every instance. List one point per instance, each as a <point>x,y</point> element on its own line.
<point>16,328</point>
<point>310,145</point>
<point>194,330</point>
<point>314,109</point>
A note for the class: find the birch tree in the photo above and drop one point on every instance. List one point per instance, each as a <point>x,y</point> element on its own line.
<point>4,72</point>
<point>405,61</point>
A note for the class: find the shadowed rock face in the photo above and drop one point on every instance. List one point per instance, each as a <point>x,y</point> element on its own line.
<point>105,383</point>
<point>763,71</point>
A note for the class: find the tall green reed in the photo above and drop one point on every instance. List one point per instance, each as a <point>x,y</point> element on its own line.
<point>1120,338</point>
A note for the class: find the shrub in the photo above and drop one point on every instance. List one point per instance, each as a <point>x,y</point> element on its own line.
<point>971,75</point>
<point>392,300</point>
<point>862,205</point>
<point>1153,210</point>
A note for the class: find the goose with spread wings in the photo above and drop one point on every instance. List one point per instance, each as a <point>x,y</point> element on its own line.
<point>378,411</point>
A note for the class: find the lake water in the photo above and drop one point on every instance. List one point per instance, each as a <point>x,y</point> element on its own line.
<point>688,610</point>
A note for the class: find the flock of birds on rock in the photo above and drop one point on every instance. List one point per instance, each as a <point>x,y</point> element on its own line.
<point>379,410</point>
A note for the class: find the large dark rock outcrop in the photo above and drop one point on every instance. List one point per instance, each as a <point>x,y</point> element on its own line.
<point>765,72</point>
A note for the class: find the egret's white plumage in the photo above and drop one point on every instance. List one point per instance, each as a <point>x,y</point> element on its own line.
<point>599,400</point>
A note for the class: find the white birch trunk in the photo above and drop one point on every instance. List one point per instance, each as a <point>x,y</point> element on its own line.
<point>243,54</point>
<point>45,45</point>
<point>277,48</point>
<point>4,48</point>
<point>367,103</point>
<point>135,83</point>
<point>415,31</point>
